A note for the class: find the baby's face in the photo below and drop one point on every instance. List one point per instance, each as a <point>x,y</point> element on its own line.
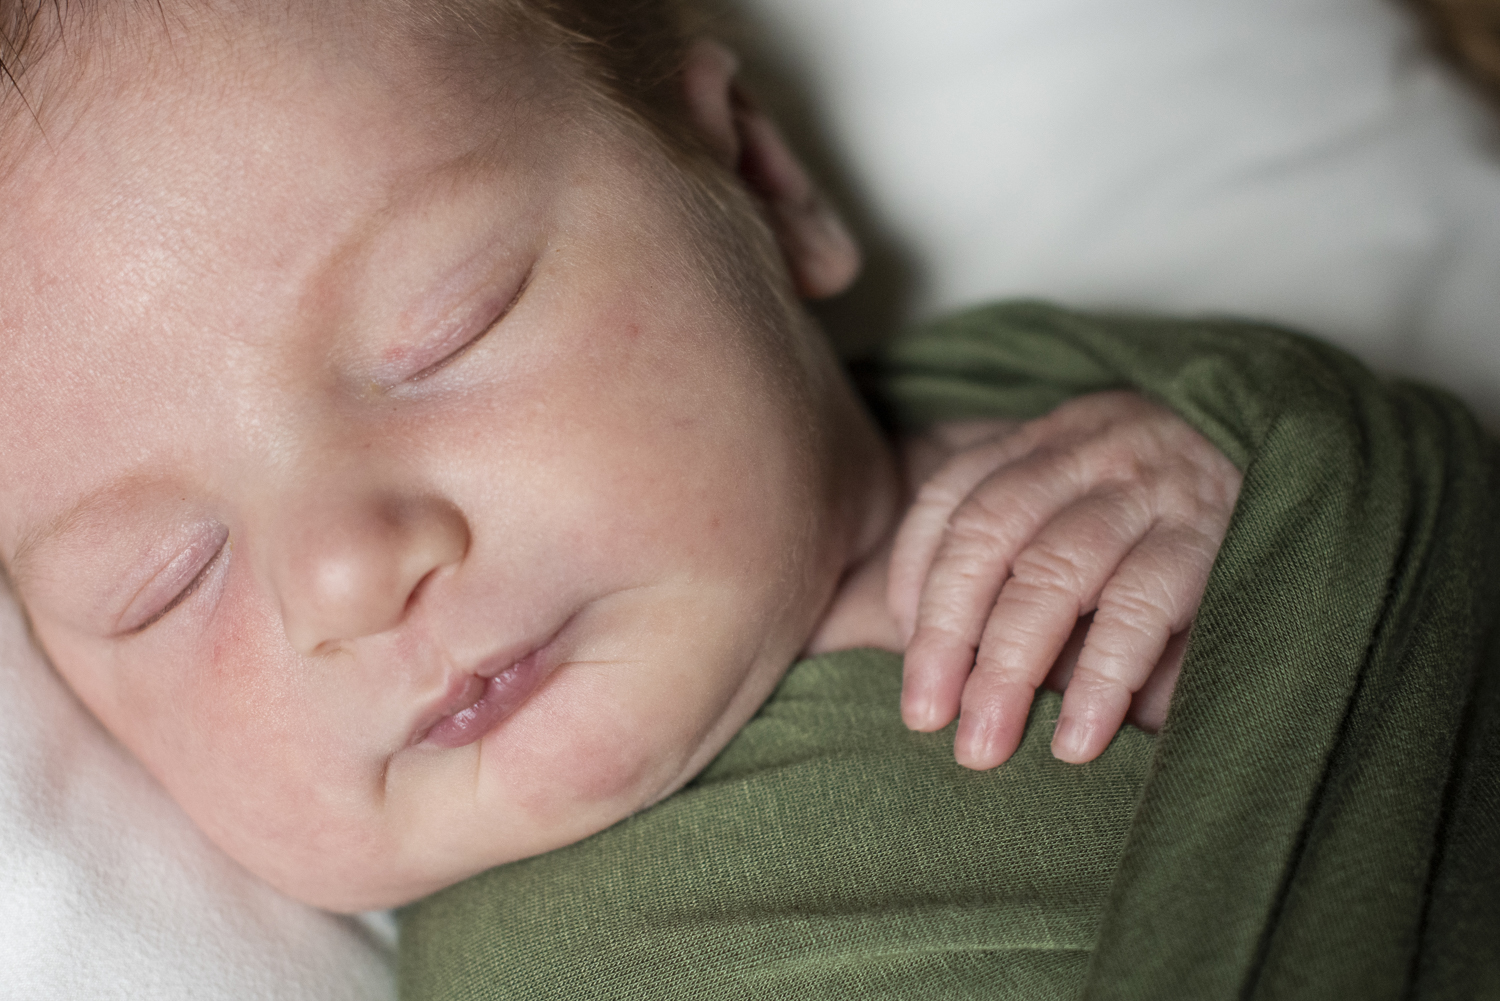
<point>395,477</point>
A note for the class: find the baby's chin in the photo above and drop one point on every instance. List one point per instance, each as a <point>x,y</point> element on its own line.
<point>630,721</point>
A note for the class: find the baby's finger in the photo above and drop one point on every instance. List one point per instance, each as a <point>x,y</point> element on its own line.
<point>1154,594</point>
<point>1066,434</point>
<point>973,559</point>
<point>1148,709</point>
<point>1056,578</point>
<point>925,523</point>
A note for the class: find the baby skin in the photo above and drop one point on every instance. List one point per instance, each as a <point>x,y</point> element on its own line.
<point>419,464</point>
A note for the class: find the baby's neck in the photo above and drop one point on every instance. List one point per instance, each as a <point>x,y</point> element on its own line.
<point>859,614</point>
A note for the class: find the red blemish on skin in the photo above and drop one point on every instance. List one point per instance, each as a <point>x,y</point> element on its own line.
<point>633,332</point>
<point>229,644</point>
<point>396,355</point>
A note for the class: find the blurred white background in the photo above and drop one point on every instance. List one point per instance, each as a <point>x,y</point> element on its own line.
<point>1304,161</point>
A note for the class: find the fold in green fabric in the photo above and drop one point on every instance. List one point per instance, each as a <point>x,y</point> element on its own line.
<point>1319,818</point>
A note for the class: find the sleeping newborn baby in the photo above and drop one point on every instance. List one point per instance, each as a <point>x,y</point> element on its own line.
<point>418,454</point>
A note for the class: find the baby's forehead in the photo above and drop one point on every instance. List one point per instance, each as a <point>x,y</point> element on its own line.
<point>169,234</point>
<point>183,172</point>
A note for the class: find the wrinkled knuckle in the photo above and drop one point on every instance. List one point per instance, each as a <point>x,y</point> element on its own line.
<point>1201,543</point>
<point>1124,460</point>
<point>1003,665</point>
<point>936,637</point>
<point>1045,569</point>
<point>975,525</point>
<point>945,595</point>
<point>1113,653</point>
<point>1179,497</point>
<point>965,579</point>
<point>1139,606</point>
<point>1130,502</point>
<point>1091,682</point>
<point>996,503</point>
<point>936,494</point>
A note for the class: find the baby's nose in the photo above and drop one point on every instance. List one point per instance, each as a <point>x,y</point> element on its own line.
<point>352,566</point>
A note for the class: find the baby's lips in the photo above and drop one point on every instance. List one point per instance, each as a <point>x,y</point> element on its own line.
<point>499,697</point>
<point>477,702</point>
<point>464,692</point>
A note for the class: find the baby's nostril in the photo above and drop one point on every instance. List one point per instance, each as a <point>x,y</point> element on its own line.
<point>326,648</point>
<point>421,586</point>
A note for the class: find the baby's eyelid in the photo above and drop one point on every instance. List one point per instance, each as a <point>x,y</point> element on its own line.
<point>479,335</point>
<point>216,550</point>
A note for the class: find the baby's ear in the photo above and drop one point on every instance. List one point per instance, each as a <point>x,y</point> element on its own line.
<point>821,254</point>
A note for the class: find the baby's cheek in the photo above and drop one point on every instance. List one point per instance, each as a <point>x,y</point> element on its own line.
<point>249,725</point>
<point>606,766</point>
<point>241,685</point>
<point>577,774</point>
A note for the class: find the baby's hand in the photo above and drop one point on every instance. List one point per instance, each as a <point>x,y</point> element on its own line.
<point>1111,504</point>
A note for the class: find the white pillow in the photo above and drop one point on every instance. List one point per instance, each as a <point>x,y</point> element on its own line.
<point>1299,160</point>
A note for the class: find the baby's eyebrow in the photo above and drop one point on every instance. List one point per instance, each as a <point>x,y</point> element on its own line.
<point>20,563</point>
<point>88,513</point>
<point>336,279</point>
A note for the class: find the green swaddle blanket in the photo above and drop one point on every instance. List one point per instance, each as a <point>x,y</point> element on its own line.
<point>1319,818</point>
<point>828,852</point>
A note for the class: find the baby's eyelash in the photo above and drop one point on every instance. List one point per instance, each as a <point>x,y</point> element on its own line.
<point>456,353</point>
<point>463,348</point>
<point>183,595</point>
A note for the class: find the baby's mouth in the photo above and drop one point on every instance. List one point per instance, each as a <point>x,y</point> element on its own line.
<point>485,700</point>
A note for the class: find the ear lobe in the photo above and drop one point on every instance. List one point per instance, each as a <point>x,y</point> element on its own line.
<point>819,251</point>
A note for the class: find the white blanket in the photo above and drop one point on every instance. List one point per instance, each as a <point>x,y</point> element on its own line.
<point>107,891</point>
<point>1297,159</point>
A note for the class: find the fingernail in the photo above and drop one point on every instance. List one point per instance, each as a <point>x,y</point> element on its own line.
<point>916,710</point>
<point>971,746</point>
<point>916,704</point>
<point>1069,740</point>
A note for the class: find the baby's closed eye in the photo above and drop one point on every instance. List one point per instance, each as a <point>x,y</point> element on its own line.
<point>120,560</point>
<point>176,582</point>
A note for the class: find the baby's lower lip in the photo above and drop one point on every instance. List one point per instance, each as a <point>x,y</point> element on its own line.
<point>502,695</point>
